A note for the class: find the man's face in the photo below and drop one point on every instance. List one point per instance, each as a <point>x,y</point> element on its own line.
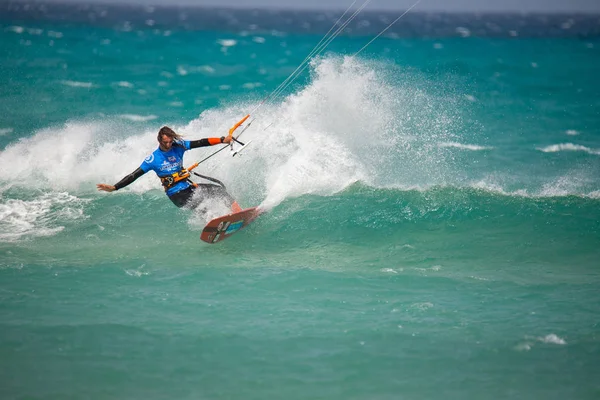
<point>165,143</point>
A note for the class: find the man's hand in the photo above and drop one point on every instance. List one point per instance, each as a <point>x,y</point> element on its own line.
<point>106,188</point>
<point>227,139</point>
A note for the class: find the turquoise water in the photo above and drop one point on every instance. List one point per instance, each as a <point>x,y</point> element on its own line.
<point>432,225</point>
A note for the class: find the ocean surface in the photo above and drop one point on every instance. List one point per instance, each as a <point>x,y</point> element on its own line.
<point>432,224</point>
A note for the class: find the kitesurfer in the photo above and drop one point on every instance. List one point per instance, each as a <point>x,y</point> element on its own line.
<point>167,162</point>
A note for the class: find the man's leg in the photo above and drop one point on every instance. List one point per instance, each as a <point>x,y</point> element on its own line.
<point>210,190</point>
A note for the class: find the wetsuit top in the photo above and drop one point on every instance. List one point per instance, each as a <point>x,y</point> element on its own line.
<point>165,163</point>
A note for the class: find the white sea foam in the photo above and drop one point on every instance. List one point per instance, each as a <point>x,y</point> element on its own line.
<point>138,118</point>
<point>525,346</point>
<point>472,147</point>
<point>54,34</point>
<point>389,270</point>
<point>201,69</point>
<point>207,209</point>
<point>552,339</point>
<point>41,216</point>
<point>252,85</point>
<point>478,278</point>
<point>124,84</point>
<point>76,156</point>
<point>571,184</point>
<point>529,343</point>
<point>571,132</point>
<point>206,69</point>
<point>5,131</point>
<point>330,134</point>
<point>182,71</point>
<point>77,84</point>
<point>422,306</point>
<point>594,194</point>
<point>568,184</point>
<point>434,268</point>
<point>138,273</point>
<point>16,29</point>
<point>227,42</point>
<point>568,147</point>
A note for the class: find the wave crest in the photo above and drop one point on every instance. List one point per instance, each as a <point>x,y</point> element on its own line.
<point>568,147</point>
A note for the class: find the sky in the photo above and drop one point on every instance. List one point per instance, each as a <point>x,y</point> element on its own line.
<point>585,6</point>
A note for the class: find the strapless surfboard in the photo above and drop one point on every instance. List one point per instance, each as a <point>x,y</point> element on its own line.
<point>222,227</point>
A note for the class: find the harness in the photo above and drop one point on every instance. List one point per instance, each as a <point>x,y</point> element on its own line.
<point>184,174</point>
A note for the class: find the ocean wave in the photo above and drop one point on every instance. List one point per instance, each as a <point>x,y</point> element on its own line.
<point>252,85</point>
<point>319,140</point>
<point>138,118</point>
<point>594,195</point>
<point>74,157</point>
<point>227,42</point>
<point>15,29</point>
<point>369,215</point>
<point>77,84</point>
<point>568,147</point>
<point>45,215</point>
<point>565,187</point>
<point>124,84</point>
<point>552,339</point>
<point>472,147</point>
<point>548,339</point>
<point>548,191</point>
<point>487,189</point>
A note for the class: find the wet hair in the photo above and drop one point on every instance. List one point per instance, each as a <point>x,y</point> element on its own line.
<point>166,131</point>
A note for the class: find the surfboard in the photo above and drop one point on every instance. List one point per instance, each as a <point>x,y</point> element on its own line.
<point>222,227</point>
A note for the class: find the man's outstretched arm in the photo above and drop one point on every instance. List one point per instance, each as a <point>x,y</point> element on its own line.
<point>122,183</point>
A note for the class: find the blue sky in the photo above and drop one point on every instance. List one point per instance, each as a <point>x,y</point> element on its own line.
<point>424,5</point>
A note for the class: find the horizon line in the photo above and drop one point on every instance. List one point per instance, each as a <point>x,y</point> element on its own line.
<point>116,3</point>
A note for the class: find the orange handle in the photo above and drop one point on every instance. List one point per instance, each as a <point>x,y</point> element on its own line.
<point>241,121</point>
